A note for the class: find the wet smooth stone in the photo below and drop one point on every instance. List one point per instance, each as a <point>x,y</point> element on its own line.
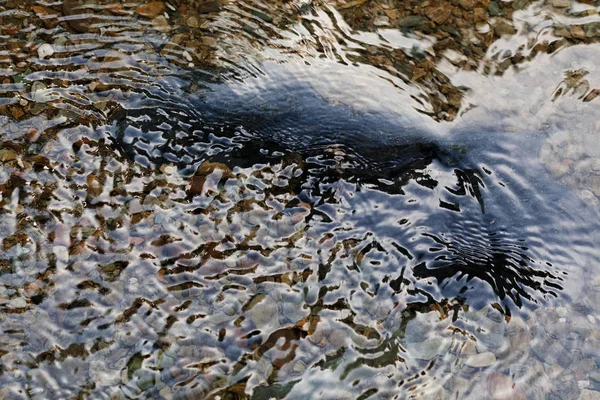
<point>494,9</point>
<point>502,387</point>
<point>433,391</point>
<point>264,312</point>
<point>412,21</point>
<point>561,3</point>
<point>151,10</point>
<point>458,386</point>
<point>481,360</point>
<point>467,4</point>
<point>429,348</point>
<point>558,353</point>
<point>18,302</point>
<point>583,366</point>
<point>504,28</point>
<point>589,395</point>
<point>161,23</point>
<point>440,13</point>
<point>491,333</point>
<point>519,334</point>
<point>420,328</point>
<point>577,32</point>
<point>596,282</point>
<point>193,22</point>
<point>208,7</point>
<point>548,350</point>
<point>468,348</point>
<point>80,22</point>
<point>582,384</point>
<point>47,15</point>
<point>562,312</point>
<point>45,50</point>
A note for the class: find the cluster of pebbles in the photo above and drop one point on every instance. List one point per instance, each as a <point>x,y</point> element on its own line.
<point>124,212</point>
<point>464,33</point>
<point>572,157</point>
<point>550,354</point>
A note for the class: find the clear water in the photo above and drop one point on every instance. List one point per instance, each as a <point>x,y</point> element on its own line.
<point>299,200</point>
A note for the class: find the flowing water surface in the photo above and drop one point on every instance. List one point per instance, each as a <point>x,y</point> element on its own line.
<point>299,199</point>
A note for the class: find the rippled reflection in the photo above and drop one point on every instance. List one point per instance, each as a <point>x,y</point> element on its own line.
<point>322,199</point>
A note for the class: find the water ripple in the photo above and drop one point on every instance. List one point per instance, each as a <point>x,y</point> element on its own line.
<point>298,200</point>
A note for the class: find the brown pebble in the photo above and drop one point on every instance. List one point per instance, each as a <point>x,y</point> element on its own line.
<point>209,41</point>
<point>209,7</point>
<point>151,10</point>
<point>10,30</point>
<point>47,15</point>
<point>591,95</point>
<point>561,3</point>
<point>480,14</point>
<point>17,112</point>
<point>32,134</point>
<point>440,14</point>
<point>467,4</point>
<point>192,22</point>
<point>577,32</point>
<point>161,24</point>
<point>117,9</point>
<point>72,8</point>
<point>504,28</point>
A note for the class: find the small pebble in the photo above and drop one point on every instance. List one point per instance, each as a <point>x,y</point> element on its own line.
<point>589,395</point>
<point>481,360</point>
<point>561,3</point>
<point>17,302</point>
<point>192,22</point>
<point>45,50</point>
<point>583,384</point>
<point>381,20</point>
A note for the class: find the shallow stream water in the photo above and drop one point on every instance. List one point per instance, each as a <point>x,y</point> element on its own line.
<point>299,200</point>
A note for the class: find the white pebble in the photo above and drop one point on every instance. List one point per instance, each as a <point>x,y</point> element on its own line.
<point>17,302</point>
<point>62,254</point>
<point>187,55</point>
<point>583,384</point>
<point>591,319</point>
<point>45,50</point>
